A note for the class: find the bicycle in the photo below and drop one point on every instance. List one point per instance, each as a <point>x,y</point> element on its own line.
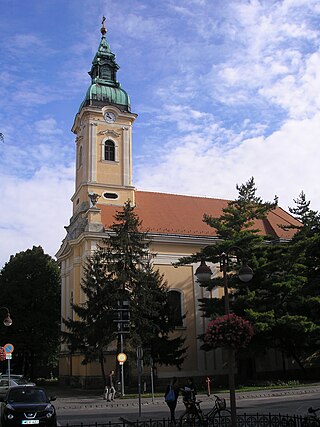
<point>193,415</point>
<point>219,414</point>
<point>312,420</point>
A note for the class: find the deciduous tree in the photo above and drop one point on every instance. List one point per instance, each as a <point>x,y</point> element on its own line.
<point>30,288</point>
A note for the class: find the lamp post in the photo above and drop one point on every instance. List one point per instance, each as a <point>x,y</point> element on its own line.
<point>7,321</point>
<point>203,274</point>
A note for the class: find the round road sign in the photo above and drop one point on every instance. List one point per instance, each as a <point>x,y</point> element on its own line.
<point>8,348</point>
<point>122,357</point>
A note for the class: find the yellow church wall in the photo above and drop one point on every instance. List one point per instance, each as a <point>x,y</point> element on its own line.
<point>180,279</point>
<point>178,249</point>
<point>109,171</point>
<point>197,363</point>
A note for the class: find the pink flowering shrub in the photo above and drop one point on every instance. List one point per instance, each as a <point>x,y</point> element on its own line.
<point>228,331</point>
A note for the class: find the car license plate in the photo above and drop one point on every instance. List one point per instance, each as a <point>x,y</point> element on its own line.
<point>30,421</point>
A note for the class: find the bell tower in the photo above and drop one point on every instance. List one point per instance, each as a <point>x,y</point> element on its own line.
<point>103,129</point>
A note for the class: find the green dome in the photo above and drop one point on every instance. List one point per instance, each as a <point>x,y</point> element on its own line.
<point>104,88</point>
<point>101,95</point>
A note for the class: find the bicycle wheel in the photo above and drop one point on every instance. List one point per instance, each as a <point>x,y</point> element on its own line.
<point>185,420</point>
<point>192,420</point>
<point>220,418</point>
<point>201,420</point>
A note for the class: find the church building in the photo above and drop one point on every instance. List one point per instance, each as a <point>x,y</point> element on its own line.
<point>104,135</point>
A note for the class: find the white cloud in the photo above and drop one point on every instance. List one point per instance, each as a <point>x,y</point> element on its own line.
<point>295,93</point>
<point>34,211</point>
<point>25,41</point>
<point>47,127</point>
<point>279,162</point>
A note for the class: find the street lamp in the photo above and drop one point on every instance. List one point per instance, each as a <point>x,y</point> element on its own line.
<point>203,274</point>
<point>7,321</point>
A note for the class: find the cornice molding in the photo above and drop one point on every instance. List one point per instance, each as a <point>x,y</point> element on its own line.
<point>153,238</point>
<point>110,132</point>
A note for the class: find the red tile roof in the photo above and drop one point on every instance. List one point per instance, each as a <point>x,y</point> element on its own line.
<point>163,213</point>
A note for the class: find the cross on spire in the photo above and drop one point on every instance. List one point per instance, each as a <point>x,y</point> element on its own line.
<point>103,28</point>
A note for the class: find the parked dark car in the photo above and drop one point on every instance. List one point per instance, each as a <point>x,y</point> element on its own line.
<point>27,405</point>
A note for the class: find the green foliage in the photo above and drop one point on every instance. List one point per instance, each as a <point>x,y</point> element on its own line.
<point>282,300</point>
<point>294,270</point>
<point>93,327</point>
<point>128,257</point>
<point>121,270</point>
<point>30,288</point>
<point>237,220</point>
<point>151,326</point>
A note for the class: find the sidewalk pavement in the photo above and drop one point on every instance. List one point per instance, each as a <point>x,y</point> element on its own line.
<point>68,398</point>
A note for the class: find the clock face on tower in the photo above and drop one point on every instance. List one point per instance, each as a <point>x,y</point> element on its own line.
<point>109,116</point>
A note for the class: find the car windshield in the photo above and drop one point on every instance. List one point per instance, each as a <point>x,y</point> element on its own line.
<point>27,395</point>
<point>21,381</point>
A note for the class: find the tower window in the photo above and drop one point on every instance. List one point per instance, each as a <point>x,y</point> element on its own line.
<point>109,151</point>
<point>175,312</point>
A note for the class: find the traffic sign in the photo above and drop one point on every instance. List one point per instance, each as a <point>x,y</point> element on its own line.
<point>8,356</point>
<point>8,348</point>
<point>122,357</point>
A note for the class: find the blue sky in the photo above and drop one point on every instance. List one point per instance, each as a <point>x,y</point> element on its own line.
<point>224,90</point>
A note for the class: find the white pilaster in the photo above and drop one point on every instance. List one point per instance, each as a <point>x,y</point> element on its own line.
<point>93,153</point>
<point>126,156</point>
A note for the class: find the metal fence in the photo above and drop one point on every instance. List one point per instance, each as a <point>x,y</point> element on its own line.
<point>243,420</point>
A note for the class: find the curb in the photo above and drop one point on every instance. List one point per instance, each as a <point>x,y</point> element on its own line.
<point>93,403</point>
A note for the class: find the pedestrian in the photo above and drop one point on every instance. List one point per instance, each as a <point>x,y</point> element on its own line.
<point>189,392</point>
<point>171,398</point>
<point>110,391</point>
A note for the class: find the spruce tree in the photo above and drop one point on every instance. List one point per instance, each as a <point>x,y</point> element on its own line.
<point>121,270</point>
<point>91,328</point>
<point>294,275</point>
<point>127,254</point>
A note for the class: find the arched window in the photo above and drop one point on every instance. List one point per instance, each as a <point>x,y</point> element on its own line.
<point>109,151</point>
<point>80,156</point>
<point>175,312</point>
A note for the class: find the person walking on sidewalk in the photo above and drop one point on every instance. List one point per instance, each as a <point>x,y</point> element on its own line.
<point>110,391</point>
<point>171,398</point>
